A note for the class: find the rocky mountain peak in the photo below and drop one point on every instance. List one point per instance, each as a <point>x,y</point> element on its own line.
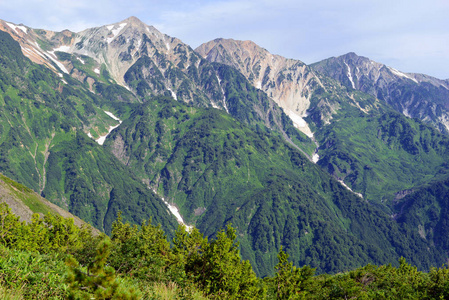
<point>14,29</point>
<point>352,55</point>
<point>234,52</point>
<point>133,21</point>
<point>114,47</point>
<point>414,95</point>
<point>287,81</point>
<point>118,46</point>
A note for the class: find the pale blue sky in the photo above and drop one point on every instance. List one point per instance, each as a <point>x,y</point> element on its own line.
<point>411,36</point>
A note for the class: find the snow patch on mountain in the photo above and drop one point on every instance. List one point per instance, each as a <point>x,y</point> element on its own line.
<point>109,27</point>
<point>172,93</point>
<point>224,95</point>
<point>174,210</point>
<point>299,122</point>
<point>444,119</point>
<point>348,188</point>
<point>101,139</point>
<point>97,71</point>
<point>62,49</point>
<point>82,61</point>
<point>51,55</point>
<point>398,73</point>
<point>14,27</point>
<point>406,113</point>
<point>112,116</point>
<point>350,76</point>
<point>32,51</point>
<point>115,32</point>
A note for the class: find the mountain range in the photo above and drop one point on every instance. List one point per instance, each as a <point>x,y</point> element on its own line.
<point>342,162</point>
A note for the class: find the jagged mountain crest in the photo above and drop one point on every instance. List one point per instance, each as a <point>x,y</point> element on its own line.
<point>307,97</point>
<point>120,45</point>
<point>414,95</point>
<point>149,63</point>
<point>116,46</point>
<point>359,65</point>
<point>336,108</point>
<point>32,46</point>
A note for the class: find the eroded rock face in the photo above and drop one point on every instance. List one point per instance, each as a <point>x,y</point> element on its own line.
<point>119,150</point>
<point>304,94</point>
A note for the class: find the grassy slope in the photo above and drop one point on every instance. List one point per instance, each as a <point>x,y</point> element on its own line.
<point>379,155</point>
<point>24,201</point>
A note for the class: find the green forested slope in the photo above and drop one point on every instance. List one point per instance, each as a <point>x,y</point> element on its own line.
<point>380,155</point>
<point>425,209</point>
<point>352,108</point>
<point>43,146</point>
<point>37,109</point>
<point>217,170</point>
<point>92,184</point>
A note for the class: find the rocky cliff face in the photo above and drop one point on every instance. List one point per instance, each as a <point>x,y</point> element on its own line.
<point>305,95</point>
<point>289,82</point>
<point>120,45</point>
<point>114,48</point>
<point>39,45</point>
<point>415,95</point>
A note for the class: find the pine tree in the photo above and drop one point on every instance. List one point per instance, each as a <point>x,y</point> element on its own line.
<point>9,226</point>
<point>290,280</point>
<point>99,281</point>
<point>216,266</point>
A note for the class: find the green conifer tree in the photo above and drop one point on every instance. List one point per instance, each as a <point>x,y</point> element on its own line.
<point>290,280</point>
<point>99,281</point>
